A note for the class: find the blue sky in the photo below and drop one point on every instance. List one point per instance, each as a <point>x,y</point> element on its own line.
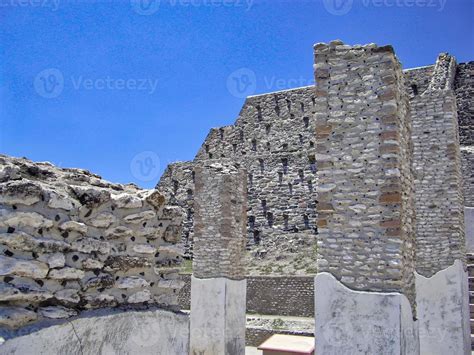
<point>123,88</point>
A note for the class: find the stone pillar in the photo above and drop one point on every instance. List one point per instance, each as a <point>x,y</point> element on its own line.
<point>218,285</point>
<point>364,290</point>
<point>441,278</point>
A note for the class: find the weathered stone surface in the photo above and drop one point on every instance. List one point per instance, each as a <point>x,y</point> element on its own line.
<point>146,333</point>
<point>23,241</point>
<point>57,312</point>
<point>103,220</point>
<point>131,282</point>
<point>61,201</point>
<point>25,219</point>
<point>53,260</point>
<point>22,293</point>
<point>127,201</point>
<point>140,217</point>
<point>101,281</point>
<point>26,268</point>
<point>118,232</point>
<point>67,295</point>
<point>140,297</point>
<point>89,245</point>
<point>20,192</point>
<point>66,236</point>
<point>67,273</point>
<point>443,311</point>
<point>15,317</point>
<point>372,322</point>
<point>144,249</point>
<point>92,264</point>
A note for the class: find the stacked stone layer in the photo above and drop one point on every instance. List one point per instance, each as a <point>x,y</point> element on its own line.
<point>365,186</point>
<point>70,241</point>
<point>278,128</point>
<point>220,222</point>
<point>437,172</point>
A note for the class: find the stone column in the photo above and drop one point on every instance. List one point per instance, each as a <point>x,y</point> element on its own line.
<point>364,290</point>
<point>441,278</point>
<point>218,285</point>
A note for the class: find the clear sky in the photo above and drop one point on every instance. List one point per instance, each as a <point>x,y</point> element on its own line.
<point>122,88</point>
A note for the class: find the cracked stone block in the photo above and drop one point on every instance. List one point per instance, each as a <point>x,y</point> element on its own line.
<point>26,268</point>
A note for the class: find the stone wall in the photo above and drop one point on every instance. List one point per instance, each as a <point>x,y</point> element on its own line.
<point>467,162</point>
<point>221,199</point>
<point>464,89</point>
<point>365,188</point>
<point>272,295</point>
<point>437,173</point>
<point>70,241</point>
<point>271,132</point>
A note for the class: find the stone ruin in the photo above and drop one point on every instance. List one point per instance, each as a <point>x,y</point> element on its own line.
<point>273,139</point>
<point>365,178</point>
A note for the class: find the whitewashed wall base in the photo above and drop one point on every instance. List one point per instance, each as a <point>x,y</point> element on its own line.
<point>359,322</point>
<point>443,311</point>
<point>217,316</point>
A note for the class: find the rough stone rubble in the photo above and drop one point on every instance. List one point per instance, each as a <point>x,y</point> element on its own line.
<point>71,241</point>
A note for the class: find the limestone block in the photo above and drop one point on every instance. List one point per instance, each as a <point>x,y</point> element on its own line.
<point>15,317</point>
<point>61,201</point>
<point>73,226</point>
<point>127,201</point>
<point>131,282</point>
<point>371,322</point>
<point>145,333</point>
<point>443,311</point>
<point>118,232</point>
<point>23,293</point>
<point>144,249</point>
<point>155,198</point>
<point>25,219</point>
<point>217,316</point>
<point>20,192</point>
<point>67,295</point>
<point>23,241</point>
<point>125,262</point>
<point>103,220</point>
<point>53,260</point>
<point>100,301</point>
<point>57,312</point>
<point>88,245</point>
<point>91,196</point>
<point>141,217</point>
<point>26,268</point>
<point>100,281</point>
<point>67,273</point>
<point>92,264</point>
